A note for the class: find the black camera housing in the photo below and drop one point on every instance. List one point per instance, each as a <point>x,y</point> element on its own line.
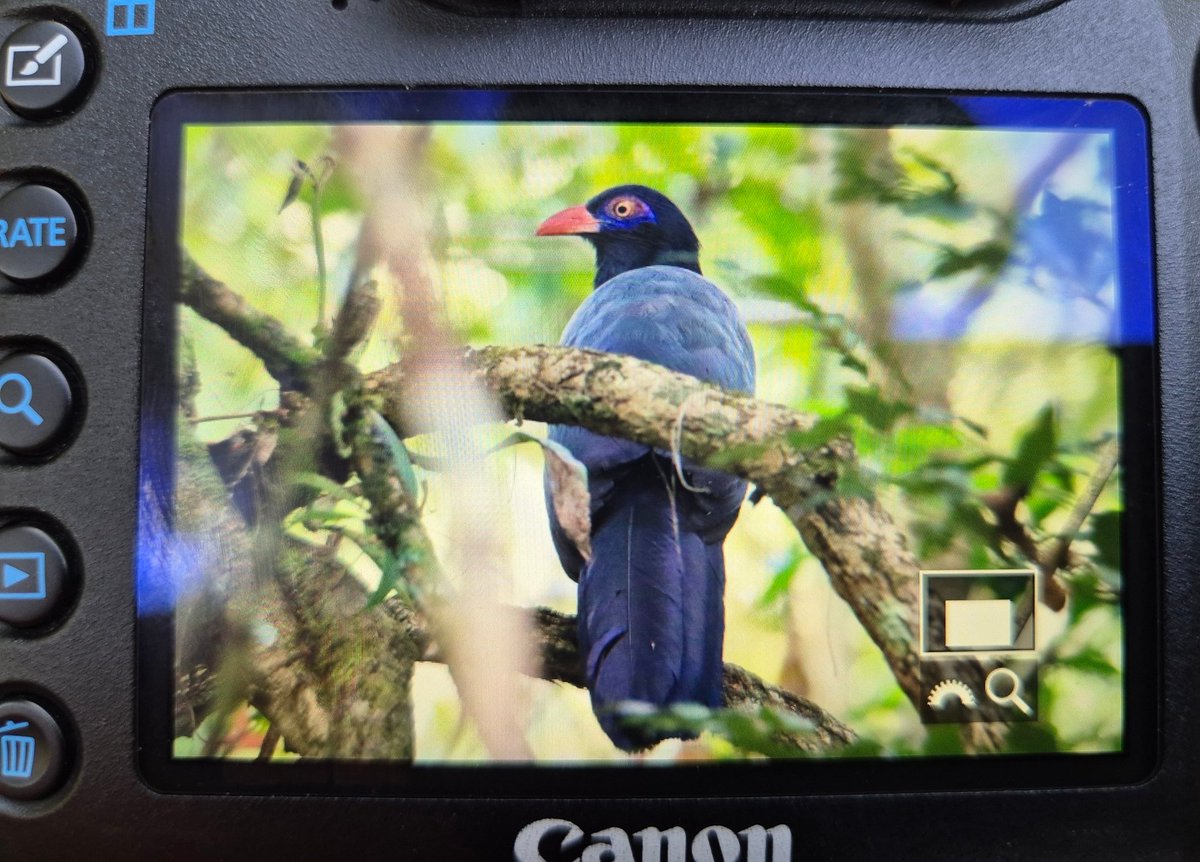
<point>84,670</point>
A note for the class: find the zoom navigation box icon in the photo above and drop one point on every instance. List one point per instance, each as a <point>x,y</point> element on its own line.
<point>978,646</point>
<point>977,612</point>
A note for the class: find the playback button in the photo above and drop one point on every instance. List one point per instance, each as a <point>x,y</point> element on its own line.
<point>36,404</point>
<point>34,577</point>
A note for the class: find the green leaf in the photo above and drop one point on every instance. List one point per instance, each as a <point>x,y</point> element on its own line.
<point>879,412</point>
<point>337,424</point>
<point>1034,450</point>
<point>762,731</point>
<point>823,430</point>
<point>1026,737</point>
<point>782,579</point>
<point>391,579</point>
<point>991,257</point>
<point>857,481</point>
<point>402,463</point>
<point>1106,536</point>
<point>1090,660</point>
<point>295,186</point>
<point>849,360</point>
<point>942,739</point>
<point>322,517</point>
<point>328,487</point>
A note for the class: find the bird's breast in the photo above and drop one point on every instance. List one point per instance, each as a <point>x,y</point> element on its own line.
<point>670,316</point>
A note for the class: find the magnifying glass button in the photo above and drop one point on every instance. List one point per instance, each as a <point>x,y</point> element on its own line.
<point>36,404</point>
<point>1004,688</point>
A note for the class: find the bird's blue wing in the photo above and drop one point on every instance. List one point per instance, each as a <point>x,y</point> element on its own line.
<point>670,316</point>
<point>680,320</point>
<point>651,601</point>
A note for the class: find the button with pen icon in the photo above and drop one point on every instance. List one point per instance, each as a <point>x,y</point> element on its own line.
<point>44,66</point>
<point>36,404</point>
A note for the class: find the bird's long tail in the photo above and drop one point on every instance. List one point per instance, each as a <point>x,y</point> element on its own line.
<point>651,608</point>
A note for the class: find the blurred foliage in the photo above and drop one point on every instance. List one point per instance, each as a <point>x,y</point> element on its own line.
<point>909,287</point>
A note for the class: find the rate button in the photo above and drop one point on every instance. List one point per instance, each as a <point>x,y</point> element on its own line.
<point>38,233</point>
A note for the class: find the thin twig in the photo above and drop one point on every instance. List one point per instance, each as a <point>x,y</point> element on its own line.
<point>226,418</point>
<point>677,446</point>
<point>1059,555</point>
<point>270,742</point>
<point>285,358</point>
<point>319,245</point>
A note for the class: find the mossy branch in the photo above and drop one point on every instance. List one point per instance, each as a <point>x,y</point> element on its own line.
<point>861,547</point>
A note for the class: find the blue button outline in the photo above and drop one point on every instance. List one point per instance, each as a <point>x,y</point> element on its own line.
<point>130,8</point>
<point>38,557</point>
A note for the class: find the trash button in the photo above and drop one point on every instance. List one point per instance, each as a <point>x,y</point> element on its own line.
<point>33,751</point>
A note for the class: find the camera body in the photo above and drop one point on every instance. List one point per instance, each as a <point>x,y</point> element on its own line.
<point>79,301</point>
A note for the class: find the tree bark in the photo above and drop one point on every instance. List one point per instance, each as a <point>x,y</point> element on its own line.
<point>861,547</point>
<point>863,550</point>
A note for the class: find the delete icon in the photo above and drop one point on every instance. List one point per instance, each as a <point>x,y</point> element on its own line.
<point>979,624</point>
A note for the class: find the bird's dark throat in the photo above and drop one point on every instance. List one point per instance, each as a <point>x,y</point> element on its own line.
<point>615,256</point>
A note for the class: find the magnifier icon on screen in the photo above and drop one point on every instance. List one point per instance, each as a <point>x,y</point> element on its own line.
<point>23,406</point>
<point>1006,692</point>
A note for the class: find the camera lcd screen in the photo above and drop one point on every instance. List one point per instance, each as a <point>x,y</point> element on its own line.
<point>685,437</point>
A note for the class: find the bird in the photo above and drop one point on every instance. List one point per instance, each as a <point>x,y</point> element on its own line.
<point>651,603</point>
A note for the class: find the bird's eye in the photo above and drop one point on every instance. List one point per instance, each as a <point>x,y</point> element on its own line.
<point>626,207</point>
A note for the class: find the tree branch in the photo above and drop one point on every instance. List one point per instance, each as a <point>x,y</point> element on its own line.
<point>558,660</point>
<point>862,549</point>
<point>286,359</point>
<point>1059,555</point>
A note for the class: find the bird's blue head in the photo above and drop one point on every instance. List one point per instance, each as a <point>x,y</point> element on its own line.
<point>631,227</point>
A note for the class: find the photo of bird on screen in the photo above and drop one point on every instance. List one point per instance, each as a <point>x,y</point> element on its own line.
<point>633,443</point>
<point>652,596</point>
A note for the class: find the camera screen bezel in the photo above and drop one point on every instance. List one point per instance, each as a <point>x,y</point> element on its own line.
<point>1141,541</point>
